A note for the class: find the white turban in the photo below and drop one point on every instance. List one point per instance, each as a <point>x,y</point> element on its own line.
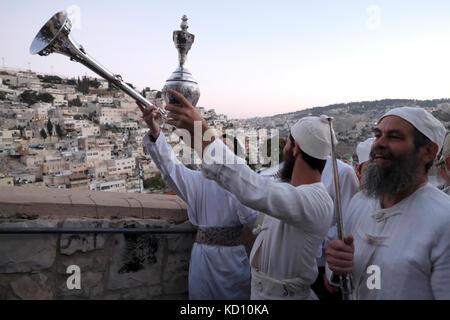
<point>423,121</point>
<point>313,136</point>
<point>363,150</point>
<point>446,148</point>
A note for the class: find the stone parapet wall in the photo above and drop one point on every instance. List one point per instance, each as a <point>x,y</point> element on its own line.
<point>113,266</point>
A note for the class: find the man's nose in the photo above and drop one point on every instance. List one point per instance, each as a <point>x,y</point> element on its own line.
<point>379,142</point>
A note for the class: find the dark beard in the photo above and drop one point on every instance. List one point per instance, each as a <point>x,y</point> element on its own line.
<point>393,180</point>
<point>288,167</point>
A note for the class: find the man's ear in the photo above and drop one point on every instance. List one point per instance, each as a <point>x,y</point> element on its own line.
<point>429,152</point>
<point>296,150</point>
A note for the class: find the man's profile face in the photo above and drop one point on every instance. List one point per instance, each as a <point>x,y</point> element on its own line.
<point>289,160</point>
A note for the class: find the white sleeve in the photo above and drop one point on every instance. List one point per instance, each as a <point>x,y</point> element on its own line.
<point>183,181</point>
<point>301,206</point>
<point>440,257</point>
<point>247,216</point>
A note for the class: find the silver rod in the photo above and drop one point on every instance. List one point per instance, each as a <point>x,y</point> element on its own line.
<point>85,59</point>
<point>345,280</point>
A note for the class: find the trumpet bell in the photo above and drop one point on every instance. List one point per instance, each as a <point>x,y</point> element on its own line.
<point>49,34</point>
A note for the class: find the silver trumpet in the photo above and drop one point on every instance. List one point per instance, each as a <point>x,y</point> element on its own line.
<point>344,280</point>
<point>55,37</point>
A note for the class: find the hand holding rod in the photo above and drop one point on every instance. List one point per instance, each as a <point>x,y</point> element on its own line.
<point>344,280</point>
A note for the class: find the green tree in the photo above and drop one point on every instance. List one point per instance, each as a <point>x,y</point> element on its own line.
<point>51,79</point>
<point>94,83</point>
<point>155,182</point>
<point>46,97</point>
<point>72,82</point>
<point>29,97</point>
<point>83,85</point>
<point>2,96</point>
<point>49,127</point>
<point>59,131</point>
<point>43,134</point>
<point>75,102</point>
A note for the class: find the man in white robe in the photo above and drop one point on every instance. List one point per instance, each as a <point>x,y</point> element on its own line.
<point>363,152</point>
<point>219,268</point>
<point>398,243</point>
<point>444,165</point>
<point>299,213</point>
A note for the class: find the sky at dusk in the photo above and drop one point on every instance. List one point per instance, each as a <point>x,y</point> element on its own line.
<point>252,58</point>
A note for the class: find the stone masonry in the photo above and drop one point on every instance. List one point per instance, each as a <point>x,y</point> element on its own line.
<point>113,266</point>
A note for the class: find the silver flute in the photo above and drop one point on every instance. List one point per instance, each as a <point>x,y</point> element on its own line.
<point>344,280</point>
<point>55,36</point>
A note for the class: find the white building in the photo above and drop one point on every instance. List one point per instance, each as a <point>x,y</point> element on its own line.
<point>93,157</point>
<point>121,166</point>
<point>110,186</point>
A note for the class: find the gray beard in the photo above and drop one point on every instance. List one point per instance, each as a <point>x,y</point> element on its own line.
<point>393,180</point>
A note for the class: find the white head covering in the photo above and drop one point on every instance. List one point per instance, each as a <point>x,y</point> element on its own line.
<point>423,121</point>
<point>446,148</point>
<point>363,150</point>
<point>313,136</point>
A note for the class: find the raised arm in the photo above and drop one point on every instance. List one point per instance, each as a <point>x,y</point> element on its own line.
<point>305,207</point>
<point>183,181</point>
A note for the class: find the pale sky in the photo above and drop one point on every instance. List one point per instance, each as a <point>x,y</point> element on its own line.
<point>253,58</point>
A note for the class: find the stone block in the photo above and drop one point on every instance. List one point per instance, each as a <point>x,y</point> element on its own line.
<point>180,242</point>
<point>178,284</point>
<point>91,286</point>
<point>177,264</point>
<point>34,287</point>
<point>71,243</point>
<point>24,253</point>
<point>142,293</point>
<point>136,261</point>
<point>92,261</point>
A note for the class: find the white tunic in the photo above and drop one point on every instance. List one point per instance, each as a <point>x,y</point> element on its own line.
<point>299,219</point>
<point>409,242</point>
<point>349,186</point>
<point>215,272</point>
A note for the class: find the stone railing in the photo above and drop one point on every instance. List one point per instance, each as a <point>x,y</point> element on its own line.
<point>112,266</point>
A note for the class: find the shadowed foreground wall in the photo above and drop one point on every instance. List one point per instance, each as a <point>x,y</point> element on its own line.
<point>113,266</point>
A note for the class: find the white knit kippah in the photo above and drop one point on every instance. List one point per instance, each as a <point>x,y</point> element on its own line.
<point>363,150</point>
<point>446,147</point>
<point>423,121</point>
<point>313,136</point>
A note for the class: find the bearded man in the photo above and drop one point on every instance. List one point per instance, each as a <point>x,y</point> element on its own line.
<point>298,213</point>
<point>399,226</point>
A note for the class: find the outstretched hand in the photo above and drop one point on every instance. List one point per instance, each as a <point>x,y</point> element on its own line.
<point>151,116</point>
<point>184,116</point>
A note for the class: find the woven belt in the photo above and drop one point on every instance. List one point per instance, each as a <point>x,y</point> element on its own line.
<point>220,236</point>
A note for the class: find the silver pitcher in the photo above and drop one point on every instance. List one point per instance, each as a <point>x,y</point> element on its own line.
<point>181,80</point>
